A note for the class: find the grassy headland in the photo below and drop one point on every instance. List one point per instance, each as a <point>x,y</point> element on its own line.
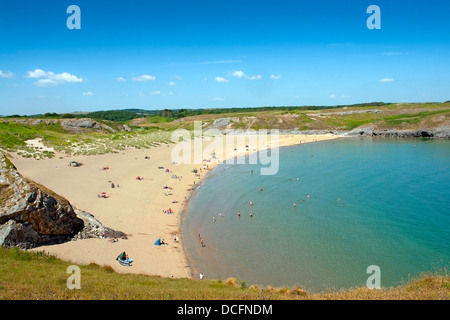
<point>150,128</point>
<point>35,275</point>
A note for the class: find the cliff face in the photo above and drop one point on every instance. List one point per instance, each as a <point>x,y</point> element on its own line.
<point>442,132</point>
<point>31,216</point>
<point>82,125</point>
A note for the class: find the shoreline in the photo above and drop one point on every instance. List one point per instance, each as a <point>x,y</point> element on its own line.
<point>134,208</point>
<point>203,204</point>
<point>188,256</point>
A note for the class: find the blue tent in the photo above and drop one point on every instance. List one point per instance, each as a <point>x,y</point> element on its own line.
<point>158,242</point>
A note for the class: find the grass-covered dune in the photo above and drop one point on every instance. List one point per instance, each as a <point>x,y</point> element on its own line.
<point>35,275</point>
<point>153,128</point>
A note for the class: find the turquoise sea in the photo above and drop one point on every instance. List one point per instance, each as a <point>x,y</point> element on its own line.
<point>358,202</point>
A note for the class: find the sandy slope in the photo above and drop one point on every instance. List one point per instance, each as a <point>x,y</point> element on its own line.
<point>136,206</point>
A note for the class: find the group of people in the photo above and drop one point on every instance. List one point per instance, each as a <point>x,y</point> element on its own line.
<point>202,243</point>
<point>103,195</point>
<point>114,185</point>
<point>168,211</point>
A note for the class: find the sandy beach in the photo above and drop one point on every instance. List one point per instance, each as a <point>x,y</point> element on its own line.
<point>134,206</point>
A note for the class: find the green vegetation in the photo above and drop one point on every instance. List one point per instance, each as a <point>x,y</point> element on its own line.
<point>113,115</point>
<point>35,275</point>
<point>13,135</point>
<point>152,128</point>
<point>412,117</point>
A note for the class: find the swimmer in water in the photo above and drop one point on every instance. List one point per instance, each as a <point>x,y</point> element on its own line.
<point>251,203</point>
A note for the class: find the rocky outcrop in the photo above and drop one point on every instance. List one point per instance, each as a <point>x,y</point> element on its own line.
<point>84,124</point>
<point>81,125</point>
<point>94,228</point>
<point>221,122</point>
<point>31,215</point>
<point>343,113</point>
<point>439,132</point>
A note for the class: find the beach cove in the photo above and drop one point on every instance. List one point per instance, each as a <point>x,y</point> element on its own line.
<point>147,183</point>
<point>334,209</point>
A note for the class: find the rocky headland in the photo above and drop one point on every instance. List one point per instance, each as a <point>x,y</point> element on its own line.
<point>31,215</point>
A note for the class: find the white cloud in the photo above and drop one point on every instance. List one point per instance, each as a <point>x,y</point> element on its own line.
<point>38,73</point>
<point>385,80</point>
<point>120,79</point>
<point>216,99</point>
<point>49,78</point>
<point>178,78</point>
<point>220,79</point>
<point>88,94</point>
<point>144,77</point>
<point>171,83</point>
<point>241,74</point>
<point>256,77</point>
<point>7,74</point>
<point>45,83</point>
<point>272,76</point>
<point>155,93</point>
<point>66,77</point>
<point>335,96</point>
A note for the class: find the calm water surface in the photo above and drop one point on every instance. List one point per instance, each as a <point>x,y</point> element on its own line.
<point>358,202</point>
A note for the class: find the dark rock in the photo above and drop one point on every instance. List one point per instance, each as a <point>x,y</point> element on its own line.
<point>31,216</point>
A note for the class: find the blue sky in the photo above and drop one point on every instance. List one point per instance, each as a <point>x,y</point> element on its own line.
<point>198,54</point>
